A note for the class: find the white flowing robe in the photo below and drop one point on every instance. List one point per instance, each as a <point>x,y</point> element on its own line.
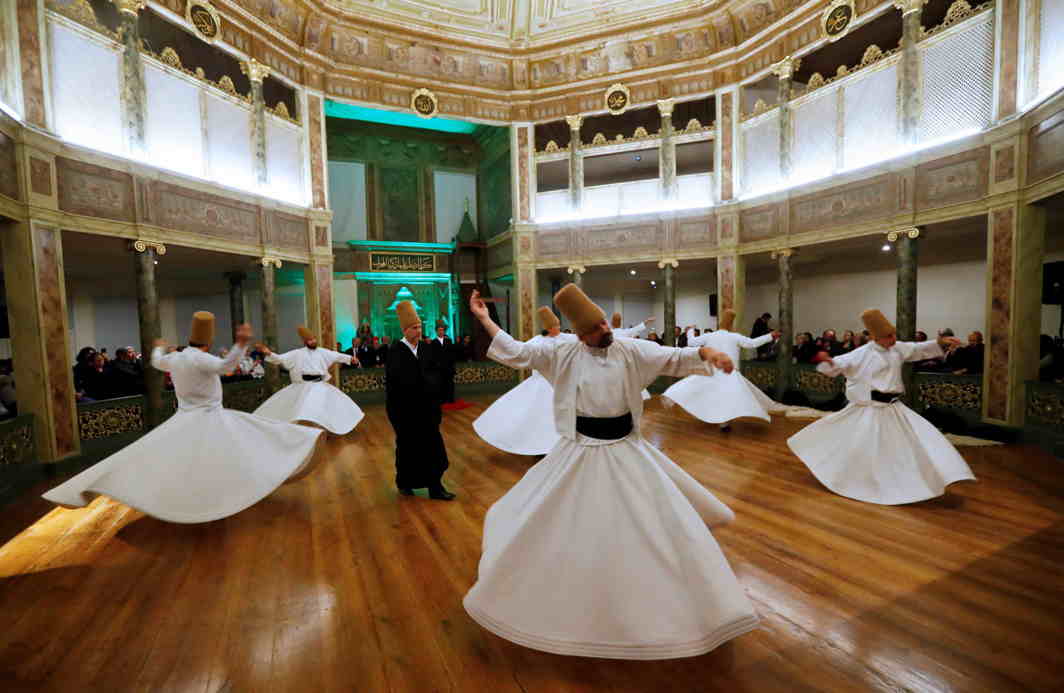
<point>522,420</point>
<point>874,451</point>
<point>205,462</point>
<point>633,333</point>
<point>317,402</point>
<point>602,549</point>
<point>723,396</point>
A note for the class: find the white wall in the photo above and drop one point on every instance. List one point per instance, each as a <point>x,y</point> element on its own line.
<point>450,195</point>
<point>947,295</point>
<point>347,197</point>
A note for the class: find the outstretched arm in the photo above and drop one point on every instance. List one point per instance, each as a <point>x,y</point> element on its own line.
<point>747,343</point>
<point>507,350</point>
<point>232,359</point>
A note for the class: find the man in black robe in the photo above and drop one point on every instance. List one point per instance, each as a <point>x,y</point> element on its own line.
<point>413,387</point>
<point>443,353</point>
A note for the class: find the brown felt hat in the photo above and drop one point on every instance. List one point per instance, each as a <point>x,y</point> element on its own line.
<point>407,315</point>
<point>202,332</point>
<point>615,320</point>
<point>877,323</point>
<point>581,311</point>
<point>727,319</point>
<point>305,334</point>
<point>547,318</point>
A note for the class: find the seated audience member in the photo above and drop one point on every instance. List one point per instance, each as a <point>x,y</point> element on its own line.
<point>7,388</point>
<point>679,337</point>
<point>465,348</point>
<point>365,353</point>
<point>653,337</point>
<point>849,341</point>
<point>1051,359</point>
<point>805,348</point>
<point>829,343</point>
<point>125,375</point>
<point>967,359</point>
<point>761,327</point>
<point>698,332</point>
<point>921,336</point>
<point>364,331</point>
<point>382,351</point>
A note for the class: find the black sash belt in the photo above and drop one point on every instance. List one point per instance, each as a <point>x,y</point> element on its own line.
<point>312,378</point>
<point>613,428</point>
<point>886,397</point>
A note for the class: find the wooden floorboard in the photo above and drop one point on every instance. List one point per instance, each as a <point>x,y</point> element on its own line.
<point>336,583</point>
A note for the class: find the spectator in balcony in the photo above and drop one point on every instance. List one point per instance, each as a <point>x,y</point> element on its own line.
<point>967,359</point>
<point>761,327</point>
<point>124,375</point>
<point>805,348</point>
<point>849,341</point>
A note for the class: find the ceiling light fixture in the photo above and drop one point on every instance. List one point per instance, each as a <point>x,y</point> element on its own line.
<point>631,272</point>
<point>886,248</point>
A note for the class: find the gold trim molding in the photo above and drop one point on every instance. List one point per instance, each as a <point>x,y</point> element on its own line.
<point>141,245</point>
<point>673,262</point>
<point>255,71</point>
<point>912,232</point>
<point>837,19</point>
<point>267,260</point>
<point>617,99</point>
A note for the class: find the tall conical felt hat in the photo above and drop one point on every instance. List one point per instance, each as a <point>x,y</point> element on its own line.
<point>407,315</point>
<point>547,318</point>
<point>202,332</point>
<point>305,334</point>
<point>582,313</point>
<point>615,320</point>
<point>877,323</point>
<point>727,319</point>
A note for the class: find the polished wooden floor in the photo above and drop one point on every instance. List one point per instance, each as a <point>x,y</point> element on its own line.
<point>335,583</point>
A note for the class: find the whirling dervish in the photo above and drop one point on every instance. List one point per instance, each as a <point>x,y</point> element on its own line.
<point>205,462</point>
<point>877,449</point>
<point>522,420</point>
<point>629,333</point>
<point>310,397</point>
<point>602,548</point>
<point>725,396</point>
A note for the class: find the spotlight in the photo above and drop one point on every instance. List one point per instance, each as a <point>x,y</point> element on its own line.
<point>886,248</point>
<point>157,262</point>
<point>631,272</point>
<point>653,283</point>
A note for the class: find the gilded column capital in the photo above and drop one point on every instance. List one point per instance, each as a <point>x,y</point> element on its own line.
<point>575,269</point>
<point>131,7</point>
<point>671,262</point>
<point>786,68</point>
<point>255,70</point>
<point>574,122</point>
<point>266,261</point>
<point>783,252</point>
<point>909,6</point>
<point>912,232</point>
<point>665,107</point>
<point>140,246</point>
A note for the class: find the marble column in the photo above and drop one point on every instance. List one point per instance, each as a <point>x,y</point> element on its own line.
<point>785,70</point>
<point>36,307</point>
<point>257,72</point>
<point>908,247</point>
<point>785,321</point>
<point>725,153</point>
<point>576,274</point>
<point>731,286</point>
<point>236,299</point>
<point>134,96</point>
<point>1016,251</point>
<point>667,159</point>
<point>909,101</point>
<point>33,55</point>
<point>522,173</point>
<point>576,164</point>
<point>318,283</point>
<point>1008,18</point>
<point>269,318</point>
<point>145,256</point>
<point>668,268</point>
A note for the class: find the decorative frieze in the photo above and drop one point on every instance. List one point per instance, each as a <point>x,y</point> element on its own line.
<point>862,201</point>
<point>94,190</point>
<point>201,213</point>
<point>1045,144</point>
<point>954,179</point>
<point>9,168</point>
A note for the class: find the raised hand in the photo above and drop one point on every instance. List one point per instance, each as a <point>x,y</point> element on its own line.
<point>477,306</point>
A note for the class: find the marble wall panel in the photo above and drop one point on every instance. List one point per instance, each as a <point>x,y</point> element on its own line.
<point>865,200</point>
<point>1008,57</point>
<point>953,179</point>
<point>760,223</point>
<point>188,210</point>
<point>321,236</point>
<point>523,183</point>
<point>1005,164</point>
<point>8,168</point>
<point>1002,233</point>
<point>30,47</point>
<point>526,279</point>
<point>696,234</point>
<point>727,145</point>
<point>500,255</point>
<point>324,280</point>
<point>40,176</point>
<point>1046,148</point>
<point>95,191</point>
<point>286,231</point>
<point>317,152</point>
<point>554,244</point>
<point>611,241</point>
<point>48,258</point>
<point>726,273</point>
